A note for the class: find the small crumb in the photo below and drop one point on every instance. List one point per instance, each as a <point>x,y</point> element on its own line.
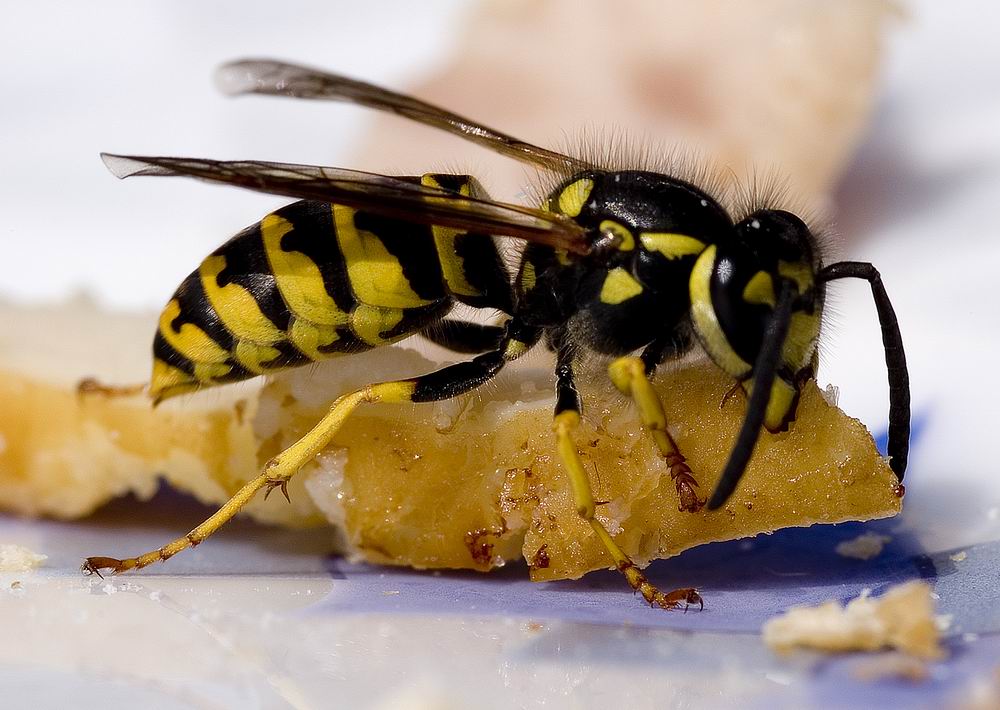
<point>534,626</point>
<point>864,547</point>
<point>15,558</point>
<point>390,592</point>
<point>958,556</point>
<point>109,589</point>
<point>902,618</point>
<point>970,637</point>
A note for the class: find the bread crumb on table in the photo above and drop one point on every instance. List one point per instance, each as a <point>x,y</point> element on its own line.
<point>902,619</point>
<point>864,547</point>
<point>15,558</point>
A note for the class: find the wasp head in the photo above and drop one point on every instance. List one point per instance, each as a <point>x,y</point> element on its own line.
<point>735,287</point>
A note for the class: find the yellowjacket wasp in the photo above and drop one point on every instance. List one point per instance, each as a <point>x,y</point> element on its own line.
<point>616,261</point>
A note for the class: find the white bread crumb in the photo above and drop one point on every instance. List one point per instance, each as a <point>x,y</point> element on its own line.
<point>864,547</point>
<point>903,619</point>
<point>15,558</point>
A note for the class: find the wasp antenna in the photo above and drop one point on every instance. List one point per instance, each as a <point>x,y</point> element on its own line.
<point>764,370</point>
<point>898,447</point>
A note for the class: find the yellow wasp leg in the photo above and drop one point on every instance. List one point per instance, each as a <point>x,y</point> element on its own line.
<point>629,375</point>
<point>565,423</point>
<point>276,474</point>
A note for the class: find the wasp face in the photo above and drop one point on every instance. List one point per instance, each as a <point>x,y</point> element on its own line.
<point>734,291</point>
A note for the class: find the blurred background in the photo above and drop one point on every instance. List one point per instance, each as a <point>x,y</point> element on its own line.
<point>882,116</point>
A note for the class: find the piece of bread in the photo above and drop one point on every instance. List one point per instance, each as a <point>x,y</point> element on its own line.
<point>470,483</point>
<point>902,618</point>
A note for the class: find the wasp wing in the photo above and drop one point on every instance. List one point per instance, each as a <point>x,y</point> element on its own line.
<point>394,197</point>
<point>265,76</point>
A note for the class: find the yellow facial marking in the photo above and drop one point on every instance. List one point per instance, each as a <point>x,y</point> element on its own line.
<point>574,196</point>
<point>309,337</point>
<point>619,286</point>
<point>369,322</point>
<point>236,307</point>
<point>191,342</point>
<point>705,321</point>
<point>670,245</point>
<point>760,290</point>
<point>376,276</point>
<point>299,279</point>
<point>626,242</point>
<point>797,271</point>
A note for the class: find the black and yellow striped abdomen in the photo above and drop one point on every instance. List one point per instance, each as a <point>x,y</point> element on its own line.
<point>314,280</point>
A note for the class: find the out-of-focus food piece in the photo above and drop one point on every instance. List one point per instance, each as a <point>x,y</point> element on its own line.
<point>902,618</point>
<point>865,546</point>
<point>463,484</point>
<point>17,558</point>
<point>782,84</point>
<point>63,456</point>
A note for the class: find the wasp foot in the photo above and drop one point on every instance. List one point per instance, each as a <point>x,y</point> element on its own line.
<point>671,600</point>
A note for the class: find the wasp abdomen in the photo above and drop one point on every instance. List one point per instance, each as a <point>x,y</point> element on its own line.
<point>311,281</point>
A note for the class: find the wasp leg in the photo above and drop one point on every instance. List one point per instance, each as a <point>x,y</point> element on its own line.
<point>445,383</point>
<point>92,386</point>
<point>629,375</point>
<point>464,337</point>
<point>567,418</point>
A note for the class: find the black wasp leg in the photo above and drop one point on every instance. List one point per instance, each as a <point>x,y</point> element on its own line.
<point>567,418</point>
<point>462,377</point>
<point>464,337</point>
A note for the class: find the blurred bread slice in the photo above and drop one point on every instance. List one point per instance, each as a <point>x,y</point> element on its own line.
<point>772,86</point>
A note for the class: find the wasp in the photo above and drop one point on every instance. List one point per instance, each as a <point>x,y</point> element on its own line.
<point>634,265</point>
